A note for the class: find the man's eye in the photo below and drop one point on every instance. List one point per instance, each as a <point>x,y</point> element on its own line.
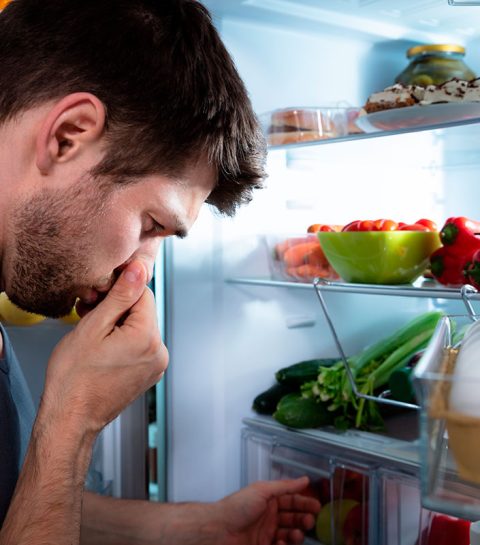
<point>155,228</point>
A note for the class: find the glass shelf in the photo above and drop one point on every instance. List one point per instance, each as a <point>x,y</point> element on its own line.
<point>421,288</point>
<point>364,136</point>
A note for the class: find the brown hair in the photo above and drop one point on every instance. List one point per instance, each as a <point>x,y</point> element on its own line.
<point>170,88</point>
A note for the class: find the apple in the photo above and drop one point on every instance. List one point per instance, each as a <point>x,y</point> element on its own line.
<point>11,314</point>
<point>331,520</point>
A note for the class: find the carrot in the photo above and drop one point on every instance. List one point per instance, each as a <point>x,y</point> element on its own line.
<point>317,258</point>
<point>282,247</point>
<point>297,255</point>
<point>309,272</point>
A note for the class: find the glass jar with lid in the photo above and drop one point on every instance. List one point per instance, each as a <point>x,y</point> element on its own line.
<point>434,64</point>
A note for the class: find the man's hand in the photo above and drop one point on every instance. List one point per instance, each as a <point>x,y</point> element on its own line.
<point>114,354</point>
<point>268,513</point>
<point>264,513</point>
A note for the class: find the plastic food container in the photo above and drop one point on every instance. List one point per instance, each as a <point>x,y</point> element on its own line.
<point>296,125</point>
<point>449,440</point>
<point>435,64</point>
<point>298,257</point>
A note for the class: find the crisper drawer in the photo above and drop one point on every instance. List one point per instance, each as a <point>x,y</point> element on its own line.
<point>345,489</point>
<point>403,521</point>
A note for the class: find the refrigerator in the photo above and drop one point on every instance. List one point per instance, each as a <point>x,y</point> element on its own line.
<point>229,324</point>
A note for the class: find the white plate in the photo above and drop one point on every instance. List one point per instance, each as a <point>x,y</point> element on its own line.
<point>418,116</point>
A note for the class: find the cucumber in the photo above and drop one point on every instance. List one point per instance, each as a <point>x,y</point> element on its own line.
<point>296,411</point>
<point>304,371</point>
<point>400,385</point>
<point>267,401</point>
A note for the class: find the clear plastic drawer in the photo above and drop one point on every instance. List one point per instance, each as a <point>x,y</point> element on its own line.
<point>346,490</point>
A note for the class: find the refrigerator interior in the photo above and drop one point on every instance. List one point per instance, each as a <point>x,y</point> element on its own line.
<point>226,339</point>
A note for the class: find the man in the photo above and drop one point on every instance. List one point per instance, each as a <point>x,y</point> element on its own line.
<point>118,120</point>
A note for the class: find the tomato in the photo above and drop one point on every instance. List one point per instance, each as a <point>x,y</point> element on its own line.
<point>320,227</point>
<point>385,225</point>
<point>431,225</point>
<point>367,225</point>
<point>414,227</point>
<point>352,226</point>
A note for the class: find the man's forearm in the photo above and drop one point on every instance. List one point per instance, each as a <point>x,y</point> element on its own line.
<point>110,521</point>
<point>46,506</point>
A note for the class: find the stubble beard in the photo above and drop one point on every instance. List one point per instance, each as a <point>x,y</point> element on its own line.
<point>53,236</point>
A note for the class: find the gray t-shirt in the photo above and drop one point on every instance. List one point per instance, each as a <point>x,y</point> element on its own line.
<point>17,414</point>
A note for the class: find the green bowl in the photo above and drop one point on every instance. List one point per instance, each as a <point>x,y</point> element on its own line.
<point>379,257</point>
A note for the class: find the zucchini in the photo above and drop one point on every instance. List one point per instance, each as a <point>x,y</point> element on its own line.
<point>296,411</point>
<point>267,401</point>
<point>303,371</point>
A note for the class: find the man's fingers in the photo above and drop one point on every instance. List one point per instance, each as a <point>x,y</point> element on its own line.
<point>298,503</point>
<point>285,486</point>
<point>124,294</point>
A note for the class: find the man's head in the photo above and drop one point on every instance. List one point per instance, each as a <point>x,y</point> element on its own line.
<point>112,98</point>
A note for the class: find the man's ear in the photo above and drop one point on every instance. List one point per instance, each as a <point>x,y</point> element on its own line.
<point>74,122</point>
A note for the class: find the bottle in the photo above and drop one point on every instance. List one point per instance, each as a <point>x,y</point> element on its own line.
<point>434,64</point>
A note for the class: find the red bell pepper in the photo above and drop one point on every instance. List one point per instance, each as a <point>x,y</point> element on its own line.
<point>446,530</point>
<point>459,234</point>
<point>472,270</point>
<point>448,268</point>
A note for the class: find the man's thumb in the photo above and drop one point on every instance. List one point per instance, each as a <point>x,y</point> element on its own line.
<point>126,291</point>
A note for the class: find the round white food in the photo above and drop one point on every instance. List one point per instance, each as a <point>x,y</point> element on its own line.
<point>465,392</point>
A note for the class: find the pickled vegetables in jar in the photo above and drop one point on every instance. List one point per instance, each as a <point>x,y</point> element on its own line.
<point>435,64</point>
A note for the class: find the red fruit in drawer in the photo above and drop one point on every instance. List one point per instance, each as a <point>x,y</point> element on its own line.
<point>350,485</point>
<point>355,527</point>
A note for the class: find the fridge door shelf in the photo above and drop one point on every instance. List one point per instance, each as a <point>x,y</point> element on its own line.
<point>449,430</point>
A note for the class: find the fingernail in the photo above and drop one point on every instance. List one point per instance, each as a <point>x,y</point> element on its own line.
<point>134,272</point>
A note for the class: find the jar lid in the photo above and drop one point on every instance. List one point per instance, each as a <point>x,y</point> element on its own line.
<point>449,48</point>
